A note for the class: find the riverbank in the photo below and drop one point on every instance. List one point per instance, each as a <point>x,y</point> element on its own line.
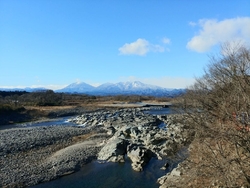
<point>21,114</point>
<point>32,114</point>
<point>33,155</point>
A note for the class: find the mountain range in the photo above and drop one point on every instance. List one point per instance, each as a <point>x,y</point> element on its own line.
<point>27,89</point>
<point>121,88</point>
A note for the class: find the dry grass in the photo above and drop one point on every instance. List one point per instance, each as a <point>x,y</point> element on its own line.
<point>48,108</point>
<point>216,159</point>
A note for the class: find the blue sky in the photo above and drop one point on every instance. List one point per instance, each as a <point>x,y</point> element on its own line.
<point>52,43</point>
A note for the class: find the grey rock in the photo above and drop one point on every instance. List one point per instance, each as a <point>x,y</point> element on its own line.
<point>114,150</point>
<point>111,130</point>
<point>139,156</point>
<point>29,154</point>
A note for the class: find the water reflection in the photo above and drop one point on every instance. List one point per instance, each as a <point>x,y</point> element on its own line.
<point>159,111</point>
<point>111,175</point>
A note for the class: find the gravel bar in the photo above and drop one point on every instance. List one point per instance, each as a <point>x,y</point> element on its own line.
<point>33,155</point>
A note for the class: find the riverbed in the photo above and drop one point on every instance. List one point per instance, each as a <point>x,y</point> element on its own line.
<point>102,175</point>
<point>110,174</point>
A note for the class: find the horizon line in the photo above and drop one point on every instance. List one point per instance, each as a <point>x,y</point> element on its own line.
<point>58,87</point>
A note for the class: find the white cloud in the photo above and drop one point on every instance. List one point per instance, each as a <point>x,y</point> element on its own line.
<point>166,40</point>
<point>156,48</point>
<point>214,32</point>
<point>192,23</point>
<point>141,47</point>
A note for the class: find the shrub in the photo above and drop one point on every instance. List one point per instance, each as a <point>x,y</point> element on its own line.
<point>214,106</point>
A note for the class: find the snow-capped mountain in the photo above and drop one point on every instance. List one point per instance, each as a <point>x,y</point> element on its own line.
<point>121,88</point>
<point>135,87</point>
<point>77,87</point>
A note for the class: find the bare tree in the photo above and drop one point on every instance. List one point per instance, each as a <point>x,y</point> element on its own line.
<point>217,107</point>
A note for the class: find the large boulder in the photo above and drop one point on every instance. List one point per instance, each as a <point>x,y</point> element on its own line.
<point>114,150</point>
<point>139,156</point>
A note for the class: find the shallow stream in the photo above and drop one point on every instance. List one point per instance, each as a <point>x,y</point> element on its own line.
<point>112,175</point>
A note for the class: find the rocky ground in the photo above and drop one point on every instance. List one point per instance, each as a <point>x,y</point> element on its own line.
<point>29,156</point>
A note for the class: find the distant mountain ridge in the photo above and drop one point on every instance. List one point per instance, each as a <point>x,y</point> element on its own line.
<point>28,89</point>
<point>77,87</point>
<point>121,88</point>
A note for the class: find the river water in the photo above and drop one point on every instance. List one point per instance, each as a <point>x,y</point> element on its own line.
<point>57,122</point>
<point>96,175</point>
<point>111,175</point>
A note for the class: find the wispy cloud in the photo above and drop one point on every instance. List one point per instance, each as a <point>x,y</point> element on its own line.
<point>166,40</point>
<point>214,32</point>
<point>156,48</point>
<point>141,47</point>
<point>192,23</point>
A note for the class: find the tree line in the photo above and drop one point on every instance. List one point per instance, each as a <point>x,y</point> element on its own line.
<point>41,98</point>
<point>51,98</point>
